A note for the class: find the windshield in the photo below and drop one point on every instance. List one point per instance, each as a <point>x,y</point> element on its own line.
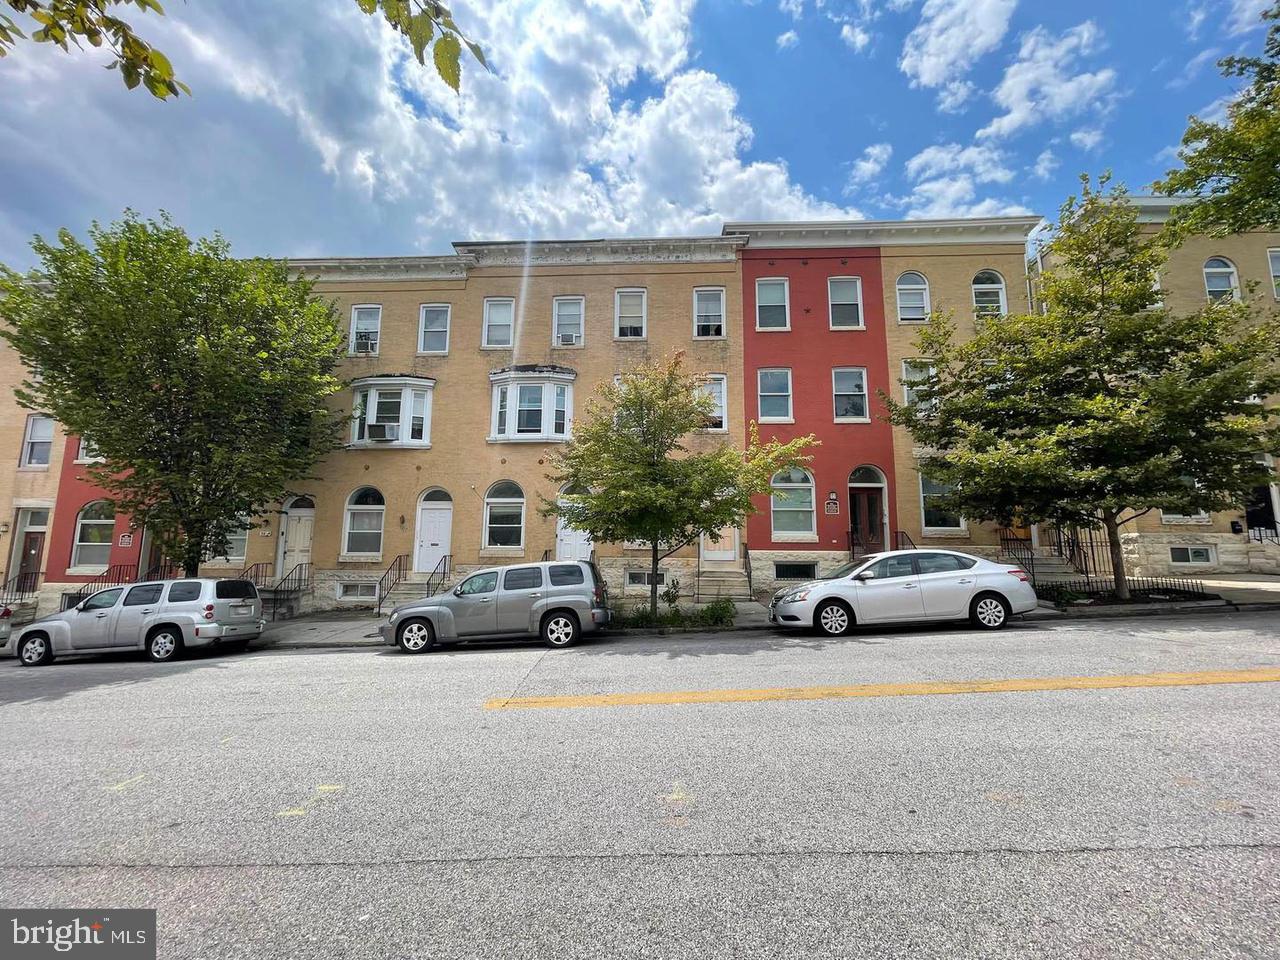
<point>847,568</point>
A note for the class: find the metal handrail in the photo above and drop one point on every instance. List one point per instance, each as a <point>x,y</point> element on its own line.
<point>443,569</point>
<point>20,586</point>
<point>1264,534</point>
<point>903,541</point>
<point>290,585</point>
<point>165,570</point>
<point>113,576</point>
<point>1021,549</point>
<point>746,568</point>
<point>257,573</point>
<point>856,546</point>
<point>546,555</point>
<point>395,573</point>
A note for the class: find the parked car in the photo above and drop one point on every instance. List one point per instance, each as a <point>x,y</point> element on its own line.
<point>904,585</point>
<point>6,624</point>
<point>557,601</point>
<point>163,617</point>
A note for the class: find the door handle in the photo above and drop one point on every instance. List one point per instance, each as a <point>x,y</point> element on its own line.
<point>101,615</point>
<point>149,611</point>
<point>910,586</point>
<point>484,599</point>
<point>964,581</point>
<point>535,594</point>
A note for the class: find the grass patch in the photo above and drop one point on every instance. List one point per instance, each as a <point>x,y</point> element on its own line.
<point>715,615</point>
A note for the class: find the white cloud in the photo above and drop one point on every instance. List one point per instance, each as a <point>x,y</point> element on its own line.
<point>793,7</point>
<point>985,164</point>
<point>951,37</point>
<point>946,182</point>
<point>854,36</point>
<point>954,97</point>
<point>788,40</point>
<point>1086,139</point>
<point>869,165</point>
<point>1045,165</point>
<point>946,197</point>
<point>1216,111</point>
<point>1245,15</point>
<point>1041,83</point>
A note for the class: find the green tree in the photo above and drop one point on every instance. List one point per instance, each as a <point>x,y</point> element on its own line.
<point>424,23</point>
<point>1233,168</point>
<point>203,381</point>
<point>634,478</point>
<point>1104,406</point>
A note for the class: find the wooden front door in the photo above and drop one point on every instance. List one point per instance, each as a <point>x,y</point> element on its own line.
<point>29,564</point>
<point>866,517</point>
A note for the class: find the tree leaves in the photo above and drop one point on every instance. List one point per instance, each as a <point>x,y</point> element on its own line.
<point>445,53</point>
<point>420,20</point>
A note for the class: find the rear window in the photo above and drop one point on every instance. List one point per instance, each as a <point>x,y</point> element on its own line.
<point>566,575</point>
<point>235,590</point>
<point>184,590</point>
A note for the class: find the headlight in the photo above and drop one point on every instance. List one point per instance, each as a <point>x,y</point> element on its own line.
<point>796,597</point>
<point>391,617</point>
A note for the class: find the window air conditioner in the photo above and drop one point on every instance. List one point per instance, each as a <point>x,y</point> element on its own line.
<point>568,339</point>
<point>365,346</point>
<point>383,432</point>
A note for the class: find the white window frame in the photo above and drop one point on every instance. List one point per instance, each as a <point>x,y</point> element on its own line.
<point>724,322</point>
<point>786,304</point>
<point>342,586</point>
<point>791,390</point>
<point>723,380</point>
<point>831,323</point>
<point>348,508</point>
<point>77,543</point>
<point>377,335</point>
<point>908,392</point>
<point>1230,270</point>
<point>899,286</point>
<point>782,536</point>
<point>866,395</point>
<point>1001,287</point>
<point>581,341</point>
<point>1273,270</point>
<point>422,328</point>
<point>24,455</point>
<point>926,528</point>
<point>484,331</point>
<point>407,388</point>
<point>507,383</point>
<point>85,453</point>
<point>1182,519</point>
<point>644,313</point>
<point>230,558</point>
<point>489,501</point>
<point>1189,562</point>
<point>642,578</point>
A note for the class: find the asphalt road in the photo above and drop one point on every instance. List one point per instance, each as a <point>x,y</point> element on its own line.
<point>361,803</point>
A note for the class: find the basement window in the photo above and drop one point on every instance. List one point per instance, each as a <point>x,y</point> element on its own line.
<point>643,578</point>
<point>1191,554</point>
<point>795,571</point>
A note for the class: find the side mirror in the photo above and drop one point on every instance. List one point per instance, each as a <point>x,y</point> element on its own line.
<point>79,607</point>
<point>865,575</point>
<point>457,591</point>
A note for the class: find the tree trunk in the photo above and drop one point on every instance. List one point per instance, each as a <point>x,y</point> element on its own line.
<point>192,550</point>
<point>653,580</point>
<point>1120,577</point>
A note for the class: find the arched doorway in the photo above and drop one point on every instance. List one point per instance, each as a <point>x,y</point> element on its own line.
<point>868,513</point>
<point>571,544</point>
<point>434,530</point>
<point>297,527</point>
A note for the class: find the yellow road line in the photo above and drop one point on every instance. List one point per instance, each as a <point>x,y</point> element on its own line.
<point>126,784</point>
<point>930,688</point>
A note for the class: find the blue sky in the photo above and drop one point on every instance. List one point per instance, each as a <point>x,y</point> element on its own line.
<point>311,133</point>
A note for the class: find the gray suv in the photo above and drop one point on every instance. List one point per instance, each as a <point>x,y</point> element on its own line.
<point>162,617</point>
<point>557,601</point>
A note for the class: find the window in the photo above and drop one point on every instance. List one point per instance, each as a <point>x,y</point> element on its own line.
<point>566,325</point>
<point>1273,258</point>
<point>713,385</point>
<point>566,576</point>
<point>363,533</point>
<point>235,590</point>
<point>795,571</point>
<point>104,600</point>
<point>774,395</point>
<point>892,568</point>
<point>504,515</point>
<point>1220,280</point>
<point>913,298</point>
<point>644,578</point>
<point>358,591</point>
<point>1191,554</point>
<point>499,320</point>
<point>392,411</point>
<point>366,322</point>
<point>844,303</point>
<point>772,305</point>
<point>522,578</point>
<point>433,334</point>
<point>1171,516</point>
<point>93,535</point>
<point>480,583</point>
<point>708,312</point>
<point>630,310</point>
<point>141,596</point>
<point>942,562</point>
<point>536,405</point>
<point>849,391</point>
<point>37,443</point>
<point>988,295</point>
<point>915,374</point>
<point>237,541</point>
<point>935,518</point>
<point>184,591</point>
<point>791,505</point>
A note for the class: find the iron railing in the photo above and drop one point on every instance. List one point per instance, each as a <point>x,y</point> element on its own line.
<point>396,572</point>
<point>289,588</point>
<point>1083,548</point>
<point>856,547</point>
<point>746,568</point>
<point>114,576</point>
<point>440,575</point>
<point>903,541</point>
<point>21,586</point>
<point>546,555</point>
<point>1021,549</point>
<point>1264,534</point>
<point>257,574</point>
<point>1149,588</point>
<point>165,570</point>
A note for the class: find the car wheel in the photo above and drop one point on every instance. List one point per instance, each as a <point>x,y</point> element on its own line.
<point>416,636</point>
<point>560,630</point>
<point>989,611</point>
<point>164,645</point>
<point>833,618</point>
<point>35,651</point>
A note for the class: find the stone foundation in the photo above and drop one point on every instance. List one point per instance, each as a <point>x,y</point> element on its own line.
<point>762,561</point>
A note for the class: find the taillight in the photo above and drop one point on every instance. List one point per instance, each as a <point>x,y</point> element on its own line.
<point>1021,575</point>
<point>208,611</point>
<point>6,613</point>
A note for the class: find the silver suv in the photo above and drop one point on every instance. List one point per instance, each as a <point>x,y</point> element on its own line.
<point>162,617</point>
<point>558,601</point>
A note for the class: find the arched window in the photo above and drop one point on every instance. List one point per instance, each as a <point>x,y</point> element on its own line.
<point>300,503</point>
<point>504,515</point>
<point>363,527</point>
<point>437,496</point>
<point>913,298</point>
<point>1220,280</point>
<point>866,476</point>
<point>93,535</point>
<point>988,294</point>
<point>791,506</point>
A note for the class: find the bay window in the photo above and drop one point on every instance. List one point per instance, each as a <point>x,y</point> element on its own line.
<point>534,403</point>
<point>392,411</point>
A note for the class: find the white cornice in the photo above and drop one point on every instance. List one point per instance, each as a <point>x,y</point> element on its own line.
<point>1157,209</point>
<point>507,253</point>
<point>385,268</point>
<point>884,233</point>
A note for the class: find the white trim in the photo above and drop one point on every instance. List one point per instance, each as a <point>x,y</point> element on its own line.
<point>790,417</point>
<point>1001,288</point>
<point>503,501</point>
<point>914,362</point>
<point>550,383</point>
<point>1230,270</point>
<point>866,396</point>
<point>484,327</point>
<point>82,454</point>
<point>582,322</point>
<point>794,536</point>
<point>724,307</point>
<point>345,552</point>
<point>928,297</point>
<point>24,455</point>
<point>862,317</point>
<point>1210,548</point>
<point>786,304</point>
<point>644,313</point>
<point>351,332</point>
<point>1185,519</point>
<point>925,530</point>
<point>77,543</point>
<point>1273,270</point>
<point>407,388</point>
<point>422,328</point>
<point>724,401</point>
<point>643,250</point>
<point>872,233</point>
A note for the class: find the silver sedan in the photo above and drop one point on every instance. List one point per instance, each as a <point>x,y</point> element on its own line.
<point>905,585</point>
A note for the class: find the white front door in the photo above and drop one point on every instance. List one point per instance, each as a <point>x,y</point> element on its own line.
<point>435,528</point>
<point>725,549</point>
<point>298,530</point>
<point>571,544</point>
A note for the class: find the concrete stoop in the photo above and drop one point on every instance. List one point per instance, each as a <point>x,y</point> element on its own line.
<point>722,584</point>
<point>408,589</point>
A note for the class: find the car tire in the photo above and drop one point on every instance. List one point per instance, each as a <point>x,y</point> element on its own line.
<point>164,645</point>
<point>560,629</point>
<point>833,619</point>
<point>989,611</point>
<point>416,636</point>
<point>35,650</point>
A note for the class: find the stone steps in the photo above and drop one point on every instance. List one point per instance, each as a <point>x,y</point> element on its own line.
<point>722,584</point>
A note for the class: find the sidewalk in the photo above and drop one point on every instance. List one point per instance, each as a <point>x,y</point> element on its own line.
<point>1243,588</point>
